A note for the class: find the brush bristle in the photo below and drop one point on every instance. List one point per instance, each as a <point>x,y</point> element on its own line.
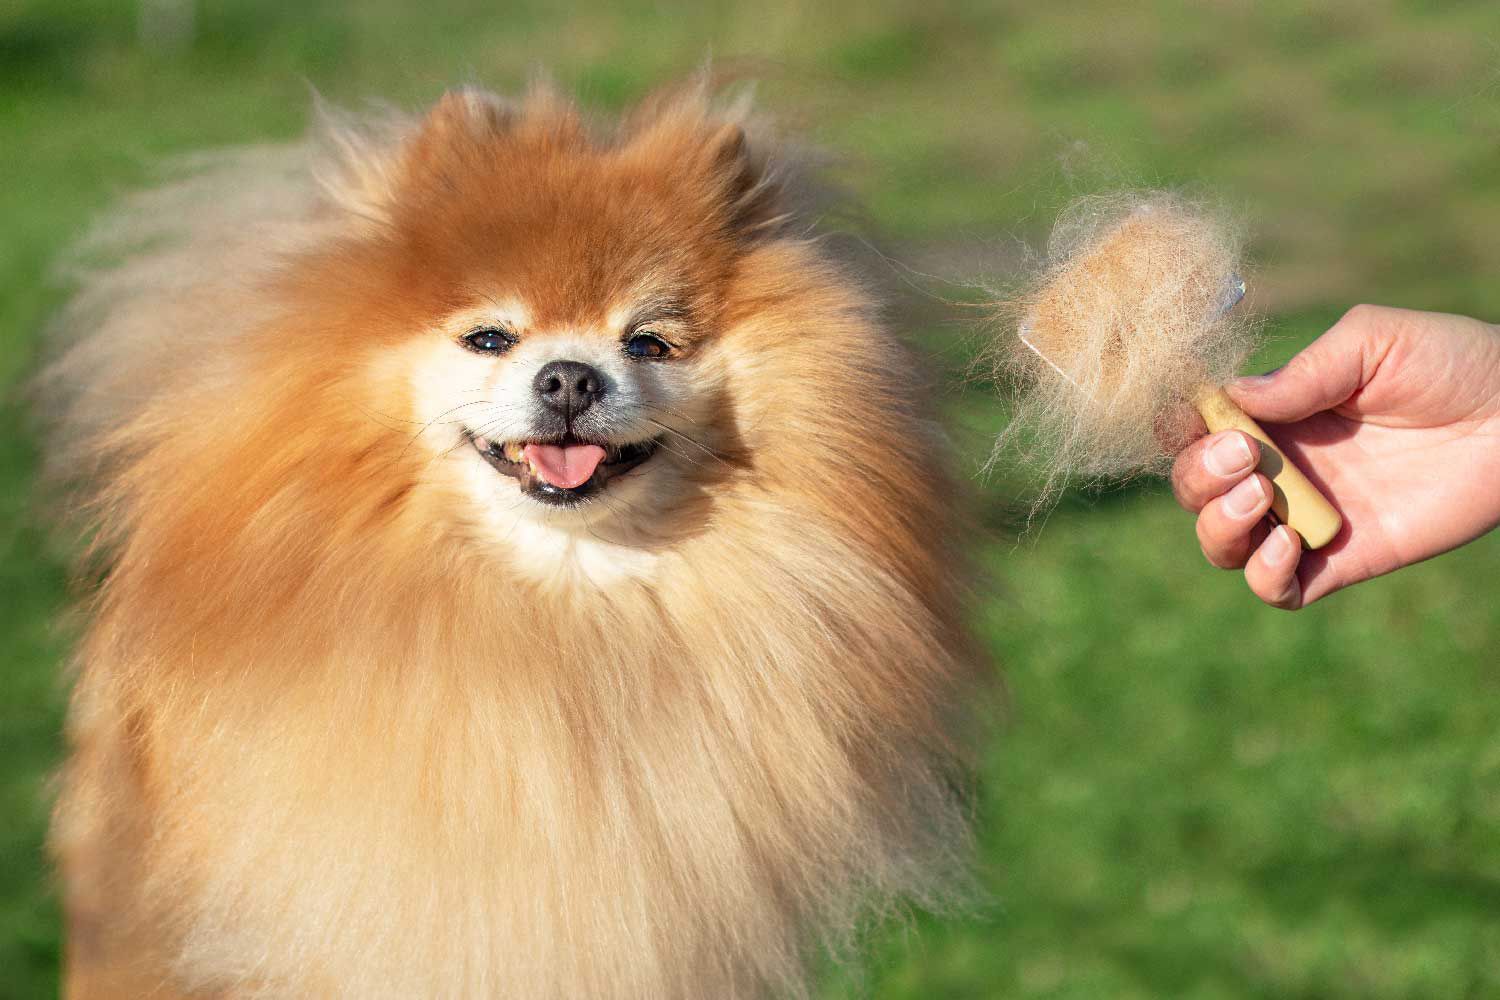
<point>1126,323</point>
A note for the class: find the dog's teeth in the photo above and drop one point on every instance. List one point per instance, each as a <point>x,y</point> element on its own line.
<point>513,452</point>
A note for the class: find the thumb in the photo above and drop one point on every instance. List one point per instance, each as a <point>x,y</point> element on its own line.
<point>1323,375</point>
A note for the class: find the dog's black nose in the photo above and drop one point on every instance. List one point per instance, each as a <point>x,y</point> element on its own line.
<point>569,387</point>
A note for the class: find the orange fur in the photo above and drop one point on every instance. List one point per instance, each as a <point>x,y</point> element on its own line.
<point>338,732</point>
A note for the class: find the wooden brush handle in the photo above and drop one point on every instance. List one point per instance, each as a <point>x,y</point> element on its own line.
<point>1296,501</point>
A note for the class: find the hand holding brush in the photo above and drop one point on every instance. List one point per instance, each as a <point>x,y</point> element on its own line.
<point>1396,413</point>
<point>1132,324</point>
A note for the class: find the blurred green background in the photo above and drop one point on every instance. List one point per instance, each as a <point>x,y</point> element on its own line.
<point>1193,796</point>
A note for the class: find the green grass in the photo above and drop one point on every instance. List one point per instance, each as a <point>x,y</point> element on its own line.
<point>1193,795</point>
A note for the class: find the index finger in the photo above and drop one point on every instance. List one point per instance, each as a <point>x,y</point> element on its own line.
<point>1210,466</point>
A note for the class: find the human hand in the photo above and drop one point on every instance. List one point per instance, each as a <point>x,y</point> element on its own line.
<point>1395,415</point>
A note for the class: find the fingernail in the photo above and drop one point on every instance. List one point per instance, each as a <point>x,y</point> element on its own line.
<point>1228,456</point>
<point>1244,498</point>
<point>1281,544</point>
<point>1256,381</point>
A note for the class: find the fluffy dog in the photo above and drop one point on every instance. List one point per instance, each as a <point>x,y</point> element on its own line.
<point>523,567</point>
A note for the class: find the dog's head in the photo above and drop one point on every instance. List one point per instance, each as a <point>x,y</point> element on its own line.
<point>564,312</point>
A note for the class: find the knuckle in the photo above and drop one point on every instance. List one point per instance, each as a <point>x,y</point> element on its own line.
<point>1362,314</point>
<point>1291,600</point>
<point>1217,546</point>
<point>1259,588</point>
<point>1205,538</point>
<point>1303,365</point>
<point>1216,559</point>
<point>1182,480</point>
<point>1220,560</point>
<point>1285,595</point>
<point>1366,322</point>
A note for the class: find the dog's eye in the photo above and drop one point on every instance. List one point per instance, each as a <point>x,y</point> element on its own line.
<point>489,340</point>
<point>647,345</point>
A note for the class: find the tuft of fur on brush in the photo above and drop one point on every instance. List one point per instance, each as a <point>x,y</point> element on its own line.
<point>1125,324</point>
<point>346,724</point>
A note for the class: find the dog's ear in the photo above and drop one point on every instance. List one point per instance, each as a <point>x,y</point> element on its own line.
<point>459,131</point>
<point>719,154</point>
<point>729,157</point>
<point>748,178</point>
<point>366,159</point>
<point>465,114</point>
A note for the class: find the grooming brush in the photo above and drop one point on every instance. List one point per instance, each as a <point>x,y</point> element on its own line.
<point>1132,319</point>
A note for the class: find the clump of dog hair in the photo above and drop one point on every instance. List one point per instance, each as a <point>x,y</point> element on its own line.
<point>1126,322</point>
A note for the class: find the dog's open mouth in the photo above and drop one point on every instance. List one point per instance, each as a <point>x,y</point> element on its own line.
<point>562,472</point>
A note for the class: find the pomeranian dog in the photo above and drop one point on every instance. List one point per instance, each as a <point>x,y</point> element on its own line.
<point>522,565</point>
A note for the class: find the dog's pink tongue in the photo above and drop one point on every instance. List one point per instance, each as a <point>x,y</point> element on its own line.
<point>564,466</point>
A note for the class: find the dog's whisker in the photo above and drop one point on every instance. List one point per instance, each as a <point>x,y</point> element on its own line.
<point>678,453</point>
<point>434,421</point>
<point>690,440</point>
<point>679,414</point>
<point>380,416</point>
